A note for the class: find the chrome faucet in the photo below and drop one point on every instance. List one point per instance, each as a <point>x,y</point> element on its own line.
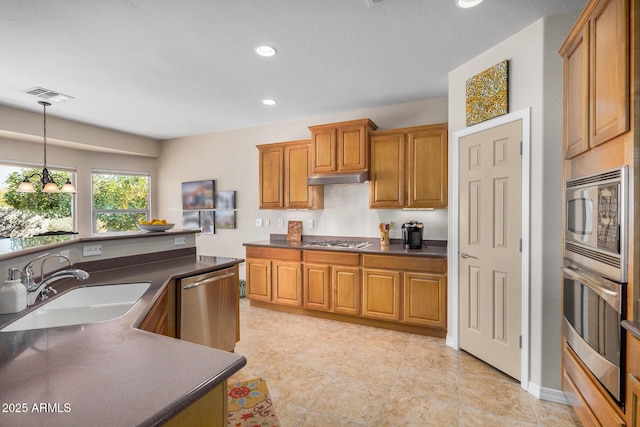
<point>43,289</point>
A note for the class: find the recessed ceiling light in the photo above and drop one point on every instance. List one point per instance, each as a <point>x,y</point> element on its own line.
<point>466,4</point>
<point>265,50</point>
<point>269,101</point>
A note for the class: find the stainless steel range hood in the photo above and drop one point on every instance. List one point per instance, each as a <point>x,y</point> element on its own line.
<point>339,178</point>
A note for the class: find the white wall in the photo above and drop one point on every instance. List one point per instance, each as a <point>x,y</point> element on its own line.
<point>231,158</point>
<point>535,80</point>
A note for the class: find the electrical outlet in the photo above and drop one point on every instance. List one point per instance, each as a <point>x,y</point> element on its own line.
<point>64,252</point>
<point>267,222</point>
<point>178,241</point>
<point>309,223</point>
<point>258,223</point>
<point>281,223</point>
<point>92,250</point>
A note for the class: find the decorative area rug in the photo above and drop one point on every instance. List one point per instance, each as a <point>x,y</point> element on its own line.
<point>251,405</point>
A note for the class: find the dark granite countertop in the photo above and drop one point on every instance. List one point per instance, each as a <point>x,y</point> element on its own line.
<point>110,373</point>
<point>632,326</point>
<point>431,248</point>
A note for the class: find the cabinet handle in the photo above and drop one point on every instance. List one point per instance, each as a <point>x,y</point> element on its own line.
<point>211,280</point>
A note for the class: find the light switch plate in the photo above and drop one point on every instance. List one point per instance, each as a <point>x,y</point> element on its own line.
<point>267,222</point>
<point>281,223</point>
<point>258,223</point>
<point>309,223</point>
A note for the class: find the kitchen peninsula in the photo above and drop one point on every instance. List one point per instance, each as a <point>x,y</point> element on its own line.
<point>385,286</point>
<point>112,373</point>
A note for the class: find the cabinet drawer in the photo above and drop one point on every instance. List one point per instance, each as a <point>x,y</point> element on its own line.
<point>431,265</point>
<point>590,391</point>
<point>326,257</point>
<point>274,253</point>
<point>584,413</point>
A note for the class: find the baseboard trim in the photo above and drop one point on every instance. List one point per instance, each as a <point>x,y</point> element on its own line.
<point>548,394</point>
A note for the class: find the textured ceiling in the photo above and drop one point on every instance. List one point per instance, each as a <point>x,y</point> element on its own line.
<point>166,68</point>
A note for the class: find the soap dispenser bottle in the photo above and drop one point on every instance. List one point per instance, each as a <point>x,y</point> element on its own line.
<point>13,294</point>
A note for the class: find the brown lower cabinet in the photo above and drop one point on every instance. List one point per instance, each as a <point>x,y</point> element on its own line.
<point>633,381</point>
<point>394,291</point>
<point>589,399</point>
<point>161,315</point>
<point>208,411</point>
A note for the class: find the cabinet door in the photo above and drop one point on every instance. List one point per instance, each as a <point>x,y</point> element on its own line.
<point>425,299</point>
<point>297,194</point>
<point>287,283</point>
<point>157,320</point>
<point>576,95</point>
<point>259,279</point>
<point>633,404</point>
<point>609,73</point>
<point>381,294</point>
<point>345,290</point>
<point>387,173</point>
<point>324,150</point>
<point>352,148</point>
<point>316,286</point>
<point>427,169</point>
<point>271,177</point>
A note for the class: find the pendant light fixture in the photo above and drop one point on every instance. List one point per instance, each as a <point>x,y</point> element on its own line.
<point>48,185</point>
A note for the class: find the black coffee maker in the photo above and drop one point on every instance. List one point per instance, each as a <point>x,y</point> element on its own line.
<point>412,235</point>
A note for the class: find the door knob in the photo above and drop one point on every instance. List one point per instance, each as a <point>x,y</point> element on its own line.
<point>465,255</point>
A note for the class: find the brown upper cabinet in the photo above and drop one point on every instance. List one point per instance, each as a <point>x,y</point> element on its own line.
<point>596,77</point>
<point>409,167</point>
<point>283,171</point>
<point>340,147</point>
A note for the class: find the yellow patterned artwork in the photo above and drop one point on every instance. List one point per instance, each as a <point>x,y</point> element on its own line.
<point>487,94</point>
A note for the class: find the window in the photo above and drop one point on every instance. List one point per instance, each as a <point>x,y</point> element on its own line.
<point>31,214</point>
<point>120,201</point>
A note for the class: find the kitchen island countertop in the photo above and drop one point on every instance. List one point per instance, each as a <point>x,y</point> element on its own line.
<point>110,373</point>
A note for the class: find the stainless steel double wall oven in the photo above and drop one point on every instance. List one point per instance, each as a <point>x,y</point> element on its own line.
<point>595,274</point>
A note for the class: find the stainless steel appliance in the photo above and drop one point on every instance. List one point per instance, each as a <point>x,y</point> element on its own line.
<point>596,223</point>
<point>593,310</point>
<point>208,309</point>
<point>412,235</point>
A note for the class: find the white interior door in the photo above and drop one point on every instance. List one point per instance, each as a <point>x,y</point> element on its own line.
<point>489,243</point>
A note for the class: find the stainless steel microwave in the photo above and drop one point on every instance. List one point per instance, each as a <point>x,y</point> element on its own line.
<point>596,223</point>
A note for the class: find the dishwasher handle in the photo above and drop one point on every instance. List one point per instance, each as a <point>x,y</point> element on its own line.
<point>210,280</point>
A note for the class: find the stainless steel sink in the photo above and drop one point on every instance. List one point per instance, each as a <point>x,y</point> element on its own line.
<point>78,306</point>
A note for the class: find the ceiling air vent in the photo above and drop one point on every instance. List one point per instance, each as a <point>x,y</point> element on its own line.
<point>371,3</point>
<point>49,95</point>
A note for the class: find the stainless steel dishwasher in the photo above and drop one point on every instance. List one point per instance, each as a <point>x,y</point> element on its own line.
<point>208,309</point>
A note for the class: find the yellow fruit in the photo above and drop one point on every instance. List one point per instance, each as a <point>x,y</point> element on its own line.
<point>156,222</point>
<point>144,222</point>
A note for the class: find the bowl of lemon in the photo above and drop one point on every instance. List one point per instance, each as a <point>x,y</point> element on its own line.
<point>155,225</point>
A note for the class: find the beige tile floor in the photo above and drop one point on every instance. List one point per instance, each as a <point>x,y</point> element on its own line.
<point>325,373</point>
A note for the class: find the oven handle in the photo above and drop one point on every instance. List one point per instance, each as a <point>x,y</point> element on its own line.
<point>598,285</point>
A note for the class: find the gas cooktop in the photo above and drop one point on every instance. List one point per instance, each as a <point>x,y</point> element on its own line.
<point>338,244</point>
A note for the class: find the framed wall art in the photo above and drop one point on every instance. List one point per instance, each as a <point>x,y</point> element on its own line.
<point>487,94</point>
<point>225,220</point>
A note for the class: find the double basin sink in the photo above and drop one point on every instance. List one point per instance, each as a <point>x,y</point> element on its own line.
<point>89,304</point>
